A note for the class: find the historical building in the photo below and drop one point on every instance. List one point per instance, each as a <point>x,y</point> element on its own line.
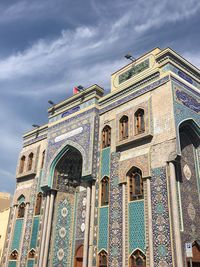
<point>114,180</point>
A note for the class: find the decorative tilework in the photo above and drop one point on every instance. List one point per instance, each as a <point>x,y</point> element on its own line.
<point>34,140</point>
<point>187,100</point>
<point>83,141</point>
<point>136,226</point>
<point>34,232</point>
<point>115,215</point>
<point>103,228</point>
<point>17,234</point>
<point>80,214</point>
<point>30,263</point>
<point>12,264</point>
<point>28,227</point>
<point>105,162</point>
<point>135,94</point>
<point>63,230</point>
<point>160,219</point>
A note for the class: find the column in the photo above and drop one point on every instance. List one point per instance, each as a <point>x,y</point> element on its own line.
<point>150,225</point>
<point>91,226</point>
<point>175,213</point>
<point>48,228</point>
<point>87,224</point>
<point>124,224</point>
<point>44,228</point>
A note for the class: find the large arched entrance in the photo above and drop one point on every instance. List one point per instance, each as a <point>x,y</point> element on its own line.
<point>188,186</point>
<point>70,209</point>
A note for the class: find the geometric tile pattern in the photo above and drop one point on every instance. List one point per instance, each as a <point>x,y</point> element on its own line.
<point>115,215</point>
<point>30,263</point>
<point>28,227</point>
<point>136,226</point>
<point>34,232</point>
<point>103,229</point>
<point>17,234</point>
<point>105,162</point>
<point>63,230</point>
<point>12,264</point>
<point>160,218</point>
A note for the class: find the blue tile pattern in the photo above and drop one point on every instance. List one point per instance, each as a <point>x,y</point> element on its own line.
<point>136,226</point>
<point>17,234</point>
<point>103,229</point>
<point>105,162</point>
<point>160,218</point>
<point>30,263</point>
<point>34,232</point>
<point>12,264</point>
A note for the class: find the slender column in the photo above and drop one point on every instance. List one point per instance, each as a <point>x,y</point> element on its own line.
<point>124,225</point>
<point>44,228</point>
<point>48,231</point>
<point>175,213</point>
<point>91,226</point>
<point>10,236</point>
<point>150,225</point>
<point>87,222</point>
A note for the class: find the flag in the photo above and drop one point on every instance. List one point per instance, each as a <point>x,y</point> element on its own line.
<point>75,90</point>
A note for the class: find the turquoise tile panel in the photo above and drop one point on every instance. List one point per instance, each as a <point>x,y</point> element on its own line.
<point>17,234</point>
<point>12,264</point>
<point>34,233</point>
<point>105,162</point>
<point>103,228</point>
<point>136,226</point>
<point>30,263</point>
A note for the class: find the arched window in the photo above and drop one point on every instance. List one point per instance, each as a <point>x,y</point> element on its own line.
<point>123,125</point>
<point>79,256</point>
<point>30,162</point>
<point>135,184</point>
<point>21,210</point>
<point>14,255</point>
<point>105,191</point>
<point>106,136</point>
<point>103,259</point>
<point>137,259</point>
<point>31,254</point>
<point>139,121</point>
<point>43,156</point>
<point>22,163</point>
<point>38,204</point>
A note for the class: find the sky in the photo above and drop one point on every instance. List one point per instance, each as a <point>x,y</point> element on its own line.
<point>49,46</point>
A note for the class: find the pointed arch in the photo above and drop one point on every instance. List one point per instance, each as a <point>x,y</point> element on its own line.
<point>124,127</point>
<point>31,254</point>
<point>14,255</point>
<point>104,191</point>
<point>22,164</point>
<point>135,184</point>
<point>106,136</point>
<point>139,121</point>
<point>30,162</point>
<point>79,256</point>
<point>137,259</point>
<point>103,258</point>
<point>21,199</point>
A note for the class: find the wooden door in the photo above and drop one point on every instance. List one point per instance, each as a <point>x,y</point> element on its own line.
<point>79,257</point>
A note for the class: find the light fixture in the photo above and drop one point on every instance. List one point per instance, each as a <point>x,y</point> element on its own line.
<point>51,102</point>
<point>36,126</point>
<point>129,56</point>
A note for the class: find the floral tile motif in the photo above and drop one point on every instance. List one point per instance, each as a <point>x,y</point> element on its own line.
<point>160,218</point>
<point>115,215</point>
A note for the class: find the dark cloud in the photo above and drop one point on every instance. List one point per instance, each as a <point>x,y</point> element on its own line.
<point>47,47</point>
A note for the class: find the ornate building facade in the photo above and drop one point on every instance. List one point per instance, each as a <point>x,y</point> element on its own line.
<point>113,180</point>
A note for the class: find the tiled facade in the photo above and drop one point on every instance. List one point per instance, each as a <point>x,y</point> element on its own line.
<point>81,220</point>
